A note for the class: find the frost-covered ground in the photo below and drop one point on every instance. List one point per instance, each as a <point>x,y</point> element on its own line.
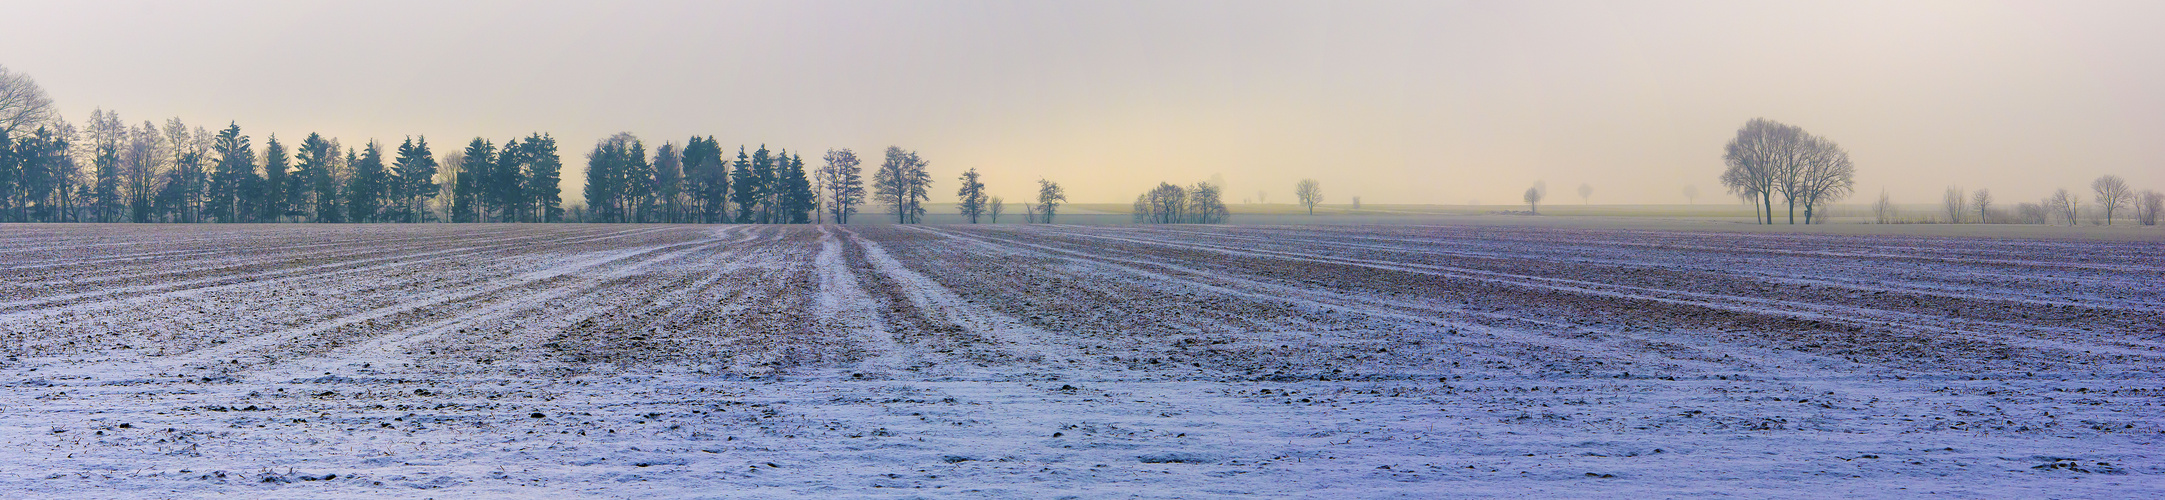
<point>447,361</point>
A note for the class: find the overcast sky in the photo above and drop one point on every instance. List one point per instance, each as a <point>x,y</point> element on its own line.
<point>1396,102</point>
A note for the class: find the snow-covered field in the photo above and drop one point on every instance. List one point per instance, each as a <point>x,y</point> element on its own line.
<point>458,361</point>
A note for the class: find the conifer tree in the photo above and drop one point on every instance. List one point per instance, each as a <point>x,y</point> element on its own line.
<point>365,188</point>
<point>600,189</point>
<point>746,191</point>
<point>543,191</point>
<point>469,201</point>
<point>797,198</point>
<point>416,184</point>
<point>321,186</point>
<point>707,179</point>
<point>271,197</point>
<point>235,174</point>
<point>507,183</point>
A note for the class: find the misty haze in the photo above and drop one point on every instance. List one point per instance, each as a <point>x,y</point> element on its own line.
<point>1184,249</point>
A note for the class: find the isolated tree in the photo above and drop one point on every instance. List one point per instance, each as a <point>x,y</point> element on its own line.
<point>23,105</point>
<point>1883,210</point>
<point>1983,200</point>
<point>1049,198</point>
<point>1310,193</point>
<point>1533,199</point>
<point>993,209</point>
<point>2112,194</point>
<point>1586,194</point>
<point>843,178</point>
<point>971,196</point>
<point>1691,194</point>
<point>2148,206</point>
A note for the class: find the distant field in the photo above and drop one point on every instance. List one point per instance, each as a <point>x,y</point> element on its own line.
<point>1548,358</point>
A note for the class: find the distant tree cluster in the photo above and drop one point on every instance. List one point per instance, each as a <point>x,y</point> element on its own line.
<point>1768,158</point>
<point>1201,203</point>
<point>2112,198</point>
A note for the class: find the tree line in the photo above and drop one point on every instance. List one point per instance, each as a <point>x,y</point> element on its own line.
<point>178,173</point>
<point>2111,199</point>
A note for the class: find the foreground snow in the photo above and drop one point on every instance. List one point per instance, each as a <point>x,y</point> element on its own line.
<point>664,361</point>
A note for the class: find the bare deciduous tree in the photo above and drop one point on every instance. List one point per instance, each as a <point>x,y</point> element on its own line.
<point>2064,204</point>
<point>1761,159</point>
<point>1586,194</point>
<point>2112,193</point>
<point>993,209</point>
<point>1883,210</point>
<point>23,105</point>
<point>1824,175</point>
<point>1983,201</point>
<point>1691,194</point>
<point>2147,208</point>
<point>1955,204</point>
<point>1533,199</point>
<point>1310,193</point>
<point>1049,198</point>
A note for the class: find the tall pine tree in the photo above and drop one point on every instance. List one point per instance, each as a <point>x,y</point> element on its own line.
<point>468,199</point>
<point>543,191</point>
<point>416,168</point>
<point>271,197</point>
<point>365,188</point>
<point>234,177</point>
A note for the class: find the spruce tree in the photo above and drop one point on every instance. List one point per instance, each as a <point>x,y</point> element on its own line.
<point>668,183</point>
<point>416,184</point>
<point>706,179</point>
<point>469,200</point>
<point>316,182</point>
<point>235,173</point>
<point>507,186</point>
<point>746,188</point>
<point>365,189</point>
<point>637,182</point>
<point>600,190</point>
<point>271,197</point>
<point>543,191</point>
<point>797,197</point>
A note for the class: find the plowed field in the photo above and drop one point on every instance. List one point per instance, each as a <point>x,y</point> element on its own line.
<point>1045,361</point>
